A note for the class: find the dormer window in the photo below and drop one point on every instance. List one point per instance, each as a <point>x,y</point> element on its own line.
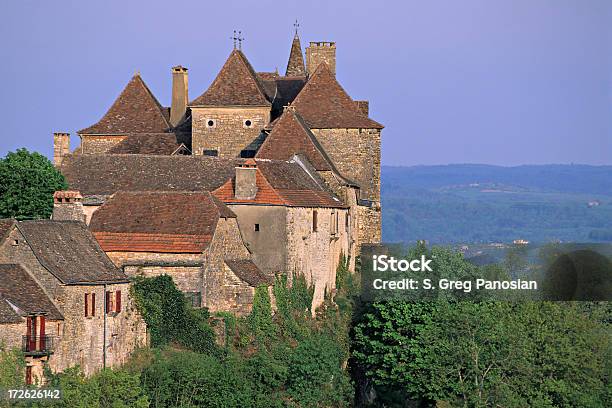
<point>211,123</point>
<point>248,123</point>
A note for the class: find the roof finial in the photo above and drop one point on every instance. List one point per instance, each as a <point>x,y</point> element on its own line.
<point>240,39</point>
<point>296,25</point>
<point>233,37</point>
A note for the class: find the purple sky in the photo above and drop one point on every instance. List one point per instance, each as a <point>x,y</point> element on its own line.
<point>498,82</point>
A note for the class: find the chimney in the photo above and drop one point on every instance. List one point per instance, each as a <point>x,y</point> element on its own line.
<point>61,147</point>
<point>68,206</point>
<point>180,98</point>
<point>318,52</point>
<point>363,107</point>
<point>246,180</point>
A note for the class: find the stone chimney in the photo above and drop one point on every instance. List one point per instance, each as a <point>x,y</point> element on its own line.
<point>363,107</point>
<point>180,99</point>
<point>68,205</point>
<point>318,52</point>
<point>61,147</point>
<point>246,180</point>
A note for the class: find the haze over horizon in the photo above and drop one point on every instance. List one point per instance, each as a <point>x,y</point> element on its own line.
<point>522,82</point>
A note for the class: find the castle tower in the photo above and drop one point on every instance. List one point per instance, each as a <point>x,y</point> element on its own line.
<point>61,147</point>
<point>295,65</point>
<point>318,52</point>
<point>232,112</point>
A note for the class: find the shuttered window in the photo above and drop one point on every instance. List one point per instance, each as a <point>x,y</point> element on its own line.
<point>118,301</point>
<point>314,221</point>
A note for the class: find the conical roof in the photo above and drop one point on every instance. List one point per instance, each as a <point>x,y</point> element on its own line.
<point>295,65</point>
<point>235,85</point>
<point>136,110</point>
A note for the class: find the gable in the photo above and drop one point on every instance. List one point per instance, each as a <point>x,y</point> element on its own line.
<point>235,85</point>
<point>136,110</point>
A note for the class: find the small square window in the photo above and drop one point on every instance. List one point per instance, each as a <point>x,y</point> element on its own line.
<point>207,152</point>
<point>211,123</point>
<point>248,123</point>
<point>15,242</point>
<point>256,227</point>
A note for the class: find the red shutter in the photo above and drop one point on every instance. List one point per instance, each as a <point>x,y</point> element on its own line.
<point>28,378</point>
<point>93,304</point>
<point>108,295</point>
<point>41,333</point>
<point>86,304</point>
<point>118,301</point>
<point>28,332</point>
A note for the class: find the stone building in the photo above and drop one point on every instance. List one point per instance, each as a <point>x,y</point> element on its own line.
<point>67,303</point>
<point>302,122</point>
<point>191,236</point>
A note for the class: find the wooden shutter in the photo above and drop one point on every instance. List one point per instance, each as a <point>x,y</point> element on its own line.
<point>314,221</point>
<point>108,300</point>
<point>118,301</point>
<point>28,374</point>
<point>93,304</point>
<point>86,304</point>
<point>41,333</point>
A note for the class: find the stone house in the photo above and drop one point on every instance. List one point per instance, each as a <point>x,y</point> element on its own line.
<point>68,304</point>
<point>191,236</point>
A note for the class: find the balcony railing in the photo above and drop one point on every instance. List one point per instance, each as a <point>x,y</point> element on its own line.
<point>38,345</point>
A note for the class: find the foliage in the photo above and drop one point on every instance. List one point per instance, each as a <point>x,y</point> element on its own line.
<point>27,183</point>
<point>169,318</point>
<point>486,353</point>
<point>12,368</point>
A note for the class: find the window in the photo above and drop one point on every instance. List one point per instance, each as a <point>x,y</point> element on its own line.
<point>15,242</point>
<point>206,152</point>
<point>90,304</point>
<point>314,221</point>
<point>211,123</point>
<point>118,301</point>
<point>247,153</point>
<point>194,298</point>
<point>256,227</point>
<point>333,223</point>
<point>248,123</point>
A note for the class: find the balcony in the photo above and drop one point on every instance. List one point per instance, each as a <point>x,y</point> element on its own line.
<point>37,346</point>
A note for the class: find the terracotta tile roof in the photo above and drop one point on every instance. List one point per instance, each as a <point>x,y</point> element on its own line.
<point>67,194</point>
<point>69,251</point>
<point>267,76</point>
<point>295,65</point>
<point>6,226</point>
<point>291,136</point>
<point>136,110</point>
<point>235,85</point>
<point>172,222</point>
<point>19,288</point>
<point>149,143</point>
<point>323,104</point>
<point>100,175</point>
<point>246,270</point>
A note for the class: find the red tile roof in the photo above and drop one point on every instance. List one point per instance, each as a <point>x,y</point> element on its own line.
<point>291,136</point>
<point>295,65</point>
<point>136,110</point>
<point>323,104</point>
<point>173,222</point>
<point>235,85</point>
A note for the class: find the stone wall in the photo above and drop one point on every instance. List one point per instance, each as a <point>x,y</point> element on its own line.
<point>187,279</point>
<point>369,225</point>
<point>11,334</point>
<point>99,144</point>
<point>318,52</point>
<point>356,154</point>
<point>120,259</point>
<point>269,244</point>
<point>316,254</point>
<point>82,338</point>
<point>229,134</point>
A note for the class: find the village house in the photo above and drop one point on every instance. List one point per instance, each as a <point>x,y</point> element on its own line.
<point>62,301</point>
<point>293,156</point>
<point>191,236</point>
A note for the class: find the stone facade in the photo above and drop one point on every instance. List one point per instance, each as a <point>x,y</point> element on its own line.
<point>92,144</point>
<point>79,339</point>
<point>227,130</point>
<point>318,52</point>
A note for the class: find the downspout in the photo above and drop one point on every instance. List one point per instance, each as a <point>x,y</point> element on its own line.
<point>104,330</point>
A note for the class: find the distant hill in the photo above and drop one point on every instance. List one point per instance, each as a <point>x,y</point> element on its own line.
<point>482,203</point>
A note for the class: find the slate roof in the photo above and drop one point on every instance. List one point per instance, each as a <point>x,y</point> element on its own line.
<point>291,136</point>
<point>280,182</point>
<point>149,143</point>
<point>235,85</point>
<point>19,288</point>
<point>295,65</point>
<point>171,222</point>
<point>246,270</point>
<point>136,110</point>
<point>323,104</point>
<point>6,226</point>
<point>69,251</point>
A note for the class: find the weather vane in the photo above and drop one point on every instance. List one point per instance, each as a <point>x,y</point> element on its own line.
<point>296,25</point>
<point>238,38</point>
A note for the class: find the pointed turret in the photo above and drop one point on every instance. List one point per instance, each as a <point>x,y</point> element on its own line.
<point>295,66</point>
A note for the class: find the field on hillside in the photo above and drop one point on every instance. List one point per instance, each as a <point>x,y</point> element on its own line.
<point>482,204</point>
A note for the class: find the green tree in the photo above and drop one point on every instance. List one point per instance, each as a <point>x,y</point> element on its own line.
<point>27,183</point>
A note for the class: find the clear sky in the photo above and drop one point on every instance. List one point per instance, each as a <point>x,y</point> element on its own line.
<point>473,81</point>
